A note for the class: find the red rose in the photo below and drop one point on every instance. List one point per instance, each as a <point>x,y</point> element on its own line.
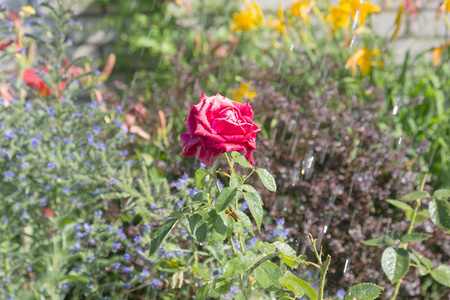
<point>217,125</point>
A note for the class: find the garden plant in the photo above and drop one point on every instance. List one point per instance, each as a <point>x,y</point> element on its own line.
<point>224,150</point>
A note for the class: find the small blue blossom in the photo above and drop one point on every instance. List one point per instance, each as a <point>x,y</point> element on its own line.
<point>126,269</point>
<point>138,239</point>
<point>51,112</point>
<point>119,109</point>
<point>90,139</point>
<point>340,293</point>
<point>93,104</point>
<point>280,222</point>
<point>116,266</point>
<point>96,129</point>
<point>244,206</point>
<point>51,165</point>
<point>9,134</point>
<point>155,283</point>
<point>9,175</point>
<point>123,152</point>
<point>127,257</point>
<point>66,189</point>
<point>34,142</point>
<point>91,257</point>
<point>98,213</point>
<point>110,228</point>
<point>68,141</point>
<point>101,146</point>
<point>48,187</point>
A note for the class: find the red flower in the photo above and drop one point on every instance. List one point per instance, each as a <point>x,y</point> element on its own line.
<point>217,125</point>
<point>48,211</point>
<point>35,82</point>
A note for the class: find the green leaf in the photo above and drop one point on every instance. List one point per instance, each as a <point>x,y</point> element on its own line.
<point>288,254</point>
<point>249,188</point>
<point>235,180</point>
<point>255,206</point>
<point>219,231</point>
<point>415,196</point>
<point>364,291</point>
<point>160,235</point>
<point>399,204</point>
<point>200,197</point>
<point>442,275</point>
<point>245,221</point>
<point>267,180</point>
<point>202,271</point>
<point>420,217</point>
<point>225,197</point>
<point>425,261</point>
<point>265,247</point>
<point>241,160</point>
<point>442,194</point>
<point>415,237</point>
<point>234,267</point>
<point>197,227</point>
<point>221,285</point>
<point>381,241</point>
<point>288,280</point>
<point>74,277</point>
<point>202,292</point>
<point>201,178</point>
<point>267,275</point>
<point>440,213</point>
<point>395,263</point>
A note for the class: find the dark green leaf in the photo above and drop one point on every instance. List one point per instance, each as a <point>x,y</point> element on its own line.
<point>364,291</point>
<point>202,292</point>
<point>160,234</point>
<point>440,213</point>
<point>267,180</point>
<point>225,197</point>
<point>245,221</point>
<point>254,204</point>
<point>201,178</point>
<point>289,281</point>
<point>442,275</point>
<point>399,204</point>
<point>309,291</point>
<point>219,231</point>
<point>267,275</point>
<point>197,227</point>
<point>221,285</point>
<point>200,197</point>
<point>415,196</point>
<point>395,263</point>
<point>381,241</point>
<point>235,180</point>
<point>415,237</point>
<point>442,194</point>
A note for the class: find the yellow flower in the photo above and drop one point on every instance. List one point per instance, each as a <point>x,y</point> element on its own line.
<point>279,23</point>
<point>245,91</point>
<point>302,9</point>
<point>445,6</point>
<point>357,9</point>
<point>248,18</point>
<point>29,10</point>
<point>437,52</point>
<point>363,59</point>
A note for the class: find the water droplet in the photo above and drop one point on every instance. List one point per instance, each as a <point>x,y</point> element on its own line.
<point>325,228</point>
<point>347,264</point>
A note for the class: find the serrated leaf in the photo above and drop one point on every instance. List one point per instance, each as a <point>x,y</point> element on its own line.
<point>381,241</point>
<point>442,275</point>
<point>241,160</point>
<point>234,267</point>
<point>267,179</point>
<point>289,281</point>
<point>235,180</point>
<point>219,232</point>
<point>364,291</point>
<point>255,206</point>
<point>267,275</point>
<point>197,227</point>
<point>161,234</point>
<point>399,204</point>
<point>225,197</point>
<point>440,213</point>
<point>395,263</point>
<point>245,221</point>
<point>444,193</point>
<point>415,237</point>
<point>221,285</point>
<point>201,178</point>
<point>425,261</point>
<point>415,196</point>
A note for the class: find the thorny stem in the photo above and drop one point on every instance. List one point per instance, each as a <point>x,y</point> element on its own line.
<point>408,231</point>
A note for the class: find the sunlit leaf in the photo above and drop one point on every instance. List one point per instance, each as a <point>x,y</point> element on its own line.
<point>395,263</point>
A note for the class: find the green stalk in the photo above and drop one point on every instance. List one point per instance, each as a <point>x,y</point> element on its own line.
<point>408,231</point>
<point>323,274</point>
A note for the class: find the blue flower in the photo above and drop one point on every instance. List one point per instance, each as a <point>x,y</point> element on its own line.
<point>43,202</point>
<point>117,245</point>
<point>123,152</point>
<point>90,139</point>
<point>96,129</point>
<point>138,239</point>
<point>50,112</point>
<point>48,187</point>
<point>88,228</point>
<point>39,134</point>
<point>66,189</point>
<point>98,213</point>
<point>219,184</point>
<point>145,273</point>
<point>126,269</point>
<point>101,146</point>
<point>51,165</point>
<point>119,109</point>
<point>155,283</point>
<point>9,134</point>
<point>57,139</point>
<point>9,175</point>
<point>93,104</point>
<point>91,257</point>
<point>244,206</point>
<point>280,222</point>
<point>340,293</point>
<point>68,141</point>
<point>34,142</point>
<point>127,285</point>
<point>110,228</point>
<point>127,257</point>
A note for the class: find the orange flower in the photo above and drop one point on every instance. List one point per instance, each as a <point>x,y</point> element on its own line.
<point>248,18</point>
<point>302,9</point>
<point>245,91</point>
<point>280,23</point>
<point>358,11</point>
<point>437,52</point>
<point>363,59</point>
